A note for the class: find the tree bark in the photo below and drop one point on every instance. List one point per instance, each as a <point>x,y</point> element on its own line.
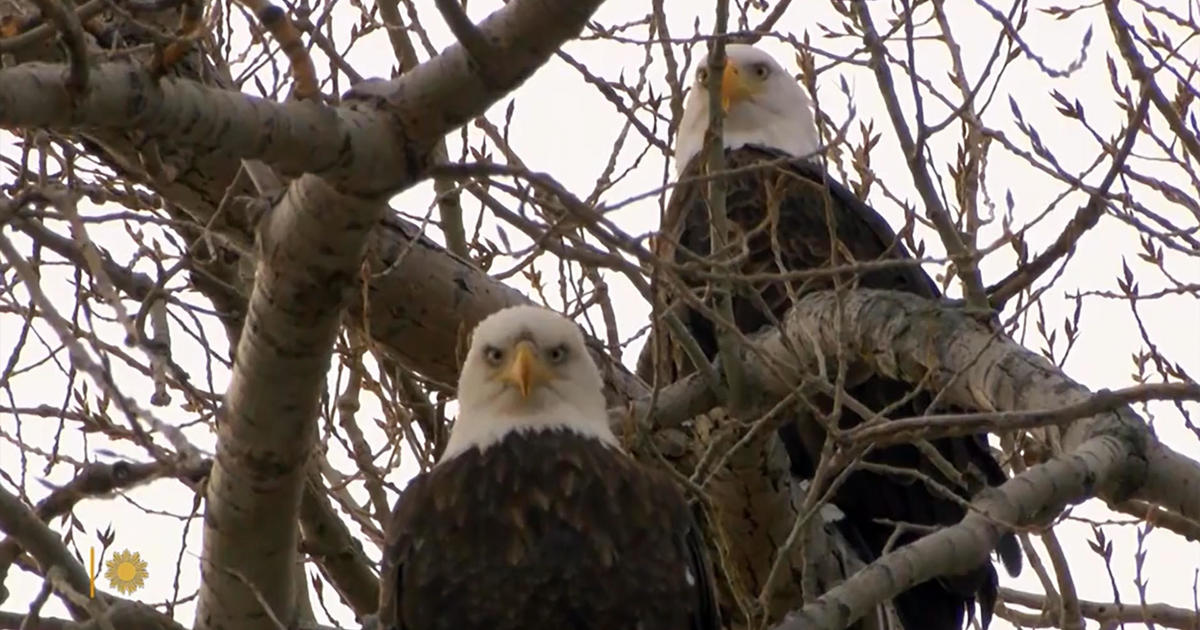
<point>283,301</point>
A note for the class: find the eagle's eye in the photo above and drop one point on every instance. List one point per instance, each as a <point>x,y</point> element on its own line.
<point>761,70</point>
<point>493,355</point>
<point>557,354</point>
<point>702,75</point>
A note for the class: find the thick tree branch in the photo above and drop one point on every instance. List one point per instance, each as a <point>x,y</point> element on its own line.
<point>308,261</point>
<point>19,522</point>
<point>359,148</point>
<point>448,90</point>
<point>354,147</point>
<point>1110,453</point>
<point>340,555</point>
<point>309,258</point>
<point>94,480</point>
<point>909,338</point>
<point>1172,482</point>
<point>415,282</point>
<point>1026,499</point>
<point>422,300</point>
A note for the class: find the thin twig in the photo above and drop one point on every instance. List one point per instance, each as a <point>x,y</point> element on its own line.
<point>42,31</point>
<point>930,427</point>
<point>1070,617</point>
<point>1145,76</point>
<point>719,229</point>
<point>965,261</point>
<point>1085,218</point>
<point>768,22</point>
<point>1161,614</point>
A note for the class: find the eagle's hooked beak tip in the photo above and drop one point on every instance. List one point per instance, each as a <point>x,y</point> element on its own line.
<point>525,370</point>
<point>733,88</point>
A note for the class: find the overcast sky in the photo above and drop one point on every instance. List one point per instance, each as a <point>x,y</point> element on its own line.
<point>563,126</point>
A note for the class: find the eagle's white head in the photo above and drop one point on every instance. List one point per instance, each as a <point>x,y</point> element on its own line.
<point>763,105</point>
<point>527,370</point>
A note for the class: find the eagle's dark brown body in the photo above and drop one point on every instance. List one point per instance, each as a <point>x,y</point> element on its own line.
<point>546,530</point>
<point>782,214</point>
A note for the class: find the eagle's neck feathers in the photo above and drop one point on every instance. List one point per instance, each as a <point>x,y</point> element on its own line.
<point>781,120</point>
<point>484,429</point>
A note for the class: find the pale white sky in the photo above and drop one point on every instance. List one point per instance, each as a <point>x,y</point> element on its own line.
<point>563,126</point>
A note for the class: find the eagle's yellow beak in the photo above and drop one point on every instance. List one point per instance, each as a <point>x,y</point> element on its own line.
<point>734,88</point>
<point>525,369</point>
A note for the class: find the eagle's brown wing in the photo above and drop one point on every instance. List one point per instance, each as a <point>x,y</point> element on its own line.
<point>397,544</point>
<point>786,216</point>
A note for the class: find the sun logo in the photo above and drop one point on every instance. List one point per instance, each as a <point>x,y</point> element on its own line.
<point>126,571</point>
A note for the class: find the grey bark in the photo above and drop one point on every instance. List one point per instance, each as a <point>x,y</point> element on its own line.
<point>426,299</point>
<point>266,433</point>
<point>302,276</point>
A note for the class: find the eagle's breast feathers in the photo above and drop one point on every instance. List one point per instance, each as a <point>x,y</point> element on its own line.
<point>544,529</point>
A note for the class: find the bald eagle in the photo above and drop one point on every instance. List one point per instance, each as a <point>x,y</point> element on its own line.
<point>782,209</point>
<point>534,517</point>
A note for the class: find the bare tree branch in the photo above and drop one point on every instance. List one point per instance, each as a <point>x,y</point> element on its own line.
<point>309,257</point>
<point>1049,486</point>
<point>1107,612</point>
<point>966,265</point>
<point>1143,74</point>
<point>275,213</point>
<point>46,547</point>
<point>327,539</point>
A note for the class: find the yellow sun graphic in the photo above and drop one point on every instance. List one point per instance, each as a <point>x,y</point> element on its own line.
<point>126,571</point>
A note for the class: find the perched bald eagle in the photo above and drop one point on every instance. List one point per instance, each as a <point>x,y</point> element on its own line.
<point>779,204</point>
<point>534,517</point>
